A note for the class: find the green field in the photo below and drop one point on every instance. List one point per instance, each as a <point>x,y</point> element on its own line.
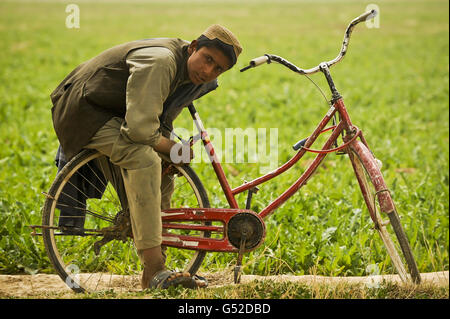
<point>394,80</point>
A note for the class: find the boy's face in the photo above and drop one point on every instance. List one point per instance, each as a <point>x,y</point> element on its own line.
<point>205,64</point>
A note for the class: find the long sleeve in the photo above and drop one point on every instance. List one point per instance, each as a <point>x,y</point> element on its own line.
<point>152,71</point>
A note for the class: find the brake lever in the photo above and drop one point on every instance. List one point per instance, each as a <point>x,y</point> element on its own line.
<point>246,68</point>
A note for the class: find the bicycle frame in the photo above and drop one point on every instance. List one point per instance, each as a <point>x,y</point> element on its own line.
<point>345,127</point>
<point>349,132</point>
<point>345,124</point>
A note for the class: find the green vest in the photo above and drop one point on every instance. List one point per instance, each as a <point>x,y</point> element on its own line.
<point>95,91</point>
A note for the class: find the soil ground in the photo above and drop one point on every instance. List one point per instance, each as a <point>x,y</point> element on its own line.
<point>51,286</point>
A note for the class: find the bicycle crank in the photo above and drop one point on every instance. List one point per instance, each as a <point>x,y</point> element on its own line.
<point>246,232</point>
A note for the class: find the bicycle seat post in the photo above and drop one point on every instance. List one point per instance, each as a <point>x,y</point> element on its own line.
<point>251,191</point>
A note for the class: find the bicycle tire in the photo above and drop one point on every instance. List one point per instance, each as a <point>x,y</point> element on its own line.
<point>373,188</point>
<point>66,250</point>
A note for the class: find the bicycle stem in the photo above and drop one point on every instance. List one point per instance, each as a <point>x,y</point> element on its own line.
<point>335,95</point>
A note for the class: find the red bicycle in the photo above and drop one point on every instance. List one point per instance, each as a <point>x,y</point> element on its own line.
<point>192,228</point>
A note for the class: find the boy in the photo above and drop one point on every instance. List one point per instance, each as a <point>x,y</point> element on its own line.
<point>122,103</point>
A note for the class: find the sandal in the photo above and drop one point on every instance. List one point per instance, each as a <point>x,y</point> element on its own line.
<point>166,278</point>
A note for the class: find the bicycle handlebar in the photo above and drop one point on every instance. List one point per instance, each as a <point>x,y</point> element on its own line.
<point>269,57</point>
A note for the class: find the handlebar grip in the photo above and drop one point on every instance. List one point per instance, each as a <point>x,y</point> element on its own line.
<point>371,14</point>
<point>259,61</point>
<point>365,16</point>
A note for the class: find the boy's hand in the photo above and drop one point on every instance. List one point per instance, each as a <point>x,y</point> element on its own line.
<point>186,149</point>
<point>179,153</point>
<point>164,146</point>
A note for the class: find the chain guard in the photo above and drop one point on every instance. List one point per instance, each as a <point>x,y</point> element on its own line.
<point>248,225</point>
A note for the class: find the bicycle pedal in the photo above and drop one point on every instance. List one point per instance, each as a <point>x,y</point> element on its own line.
<point>99,244</point>
<point>237,274</point>
<point>238,267</point>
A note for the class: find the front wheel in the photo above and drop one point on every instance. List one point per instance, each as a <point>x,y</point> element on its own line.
<point>374,190</point>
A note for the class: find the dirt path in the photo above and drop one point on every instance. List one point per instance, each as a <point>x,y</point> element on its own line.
<point>51,286</point>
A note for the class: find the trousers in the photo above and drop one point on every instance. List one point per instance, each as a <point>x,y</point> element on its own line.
<point>138,168</point>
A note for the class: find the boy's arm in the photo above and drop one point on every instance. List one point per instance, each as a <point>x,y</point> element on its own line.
<point>152,71</point>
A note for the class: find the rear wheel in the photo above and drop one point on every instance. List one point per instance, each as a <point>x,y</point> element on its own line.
<point>378,200</point>
<point>86,228</point>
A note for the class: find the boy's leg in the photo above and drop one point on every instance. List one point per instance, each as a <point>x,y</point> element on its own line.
<point>140,168</point>
<point>167,188</point>
<point>112,174</point>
